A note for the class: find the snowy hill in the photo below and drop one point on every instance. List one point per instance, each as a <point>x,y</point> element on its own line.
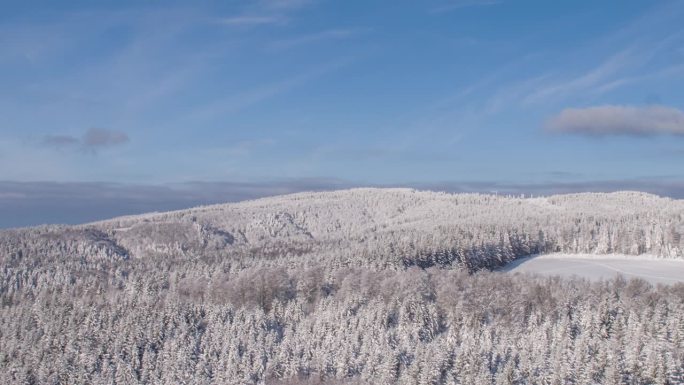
<point>329,288</point>
<point>379,227</point>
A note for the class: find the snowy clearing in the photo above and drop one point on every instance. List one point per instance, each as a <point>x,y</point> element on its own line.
<point>652,269</point>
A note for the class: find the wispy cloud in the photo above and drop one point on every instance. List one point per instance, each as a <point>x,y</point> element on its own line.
<point>618,120</point>
<point>252,20</point>
<point>60,141</point>
<point>645,57</point>
<point>92,140</point>
<point>243,100</point>
<point>284,4</point>
<point>316,37</point>
<point>459,4</point>
<point>600,75</point>
<point>670,72</point>
<point>100,137</point>
<point>265,12</point>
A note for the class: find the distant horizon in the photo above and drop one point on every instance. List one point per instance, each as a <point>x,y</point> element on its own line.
<point>25,204</point>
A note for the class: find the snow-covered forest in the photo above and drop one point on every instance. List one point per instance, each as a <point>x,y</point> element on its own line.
<point>365,286</point>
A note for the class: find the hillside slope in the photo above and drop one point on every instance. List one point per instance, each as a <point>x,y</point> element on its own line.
<point>377,227</point>
<point>324,289</point>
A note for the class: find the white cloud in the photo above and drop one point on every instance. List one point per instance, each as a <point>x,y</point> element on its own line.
<point>619,120</point>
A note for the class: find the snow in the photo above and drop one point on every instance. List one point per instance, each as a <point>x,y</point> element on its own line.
<point>379,228</point>
<point>595,267</point>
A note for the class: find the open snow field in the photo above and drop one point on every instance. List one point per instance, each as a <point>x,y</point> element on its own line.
<point>595,267</point>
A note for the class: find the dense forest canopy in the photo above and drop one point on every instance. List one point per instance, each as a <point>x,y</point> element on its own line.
<point>377,227</point>
<point>364,286</point>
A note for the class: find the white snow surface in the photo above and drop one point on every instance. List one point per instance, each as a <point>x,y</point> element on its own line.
<point>377,228</point>
<point>654,269</point>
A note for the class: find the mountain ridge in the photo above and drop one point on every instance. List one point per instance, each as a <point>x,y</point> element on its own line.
<point>400,227</point>
<point>365,286</point>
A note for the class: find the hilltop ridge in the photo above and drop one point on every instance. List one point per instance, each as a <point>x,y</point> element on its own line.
<point>399,227</point>
<point>366,286</point>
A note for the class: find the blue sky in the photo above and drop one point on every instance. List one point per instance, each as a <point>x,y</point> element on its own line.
<point>485,93</point>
